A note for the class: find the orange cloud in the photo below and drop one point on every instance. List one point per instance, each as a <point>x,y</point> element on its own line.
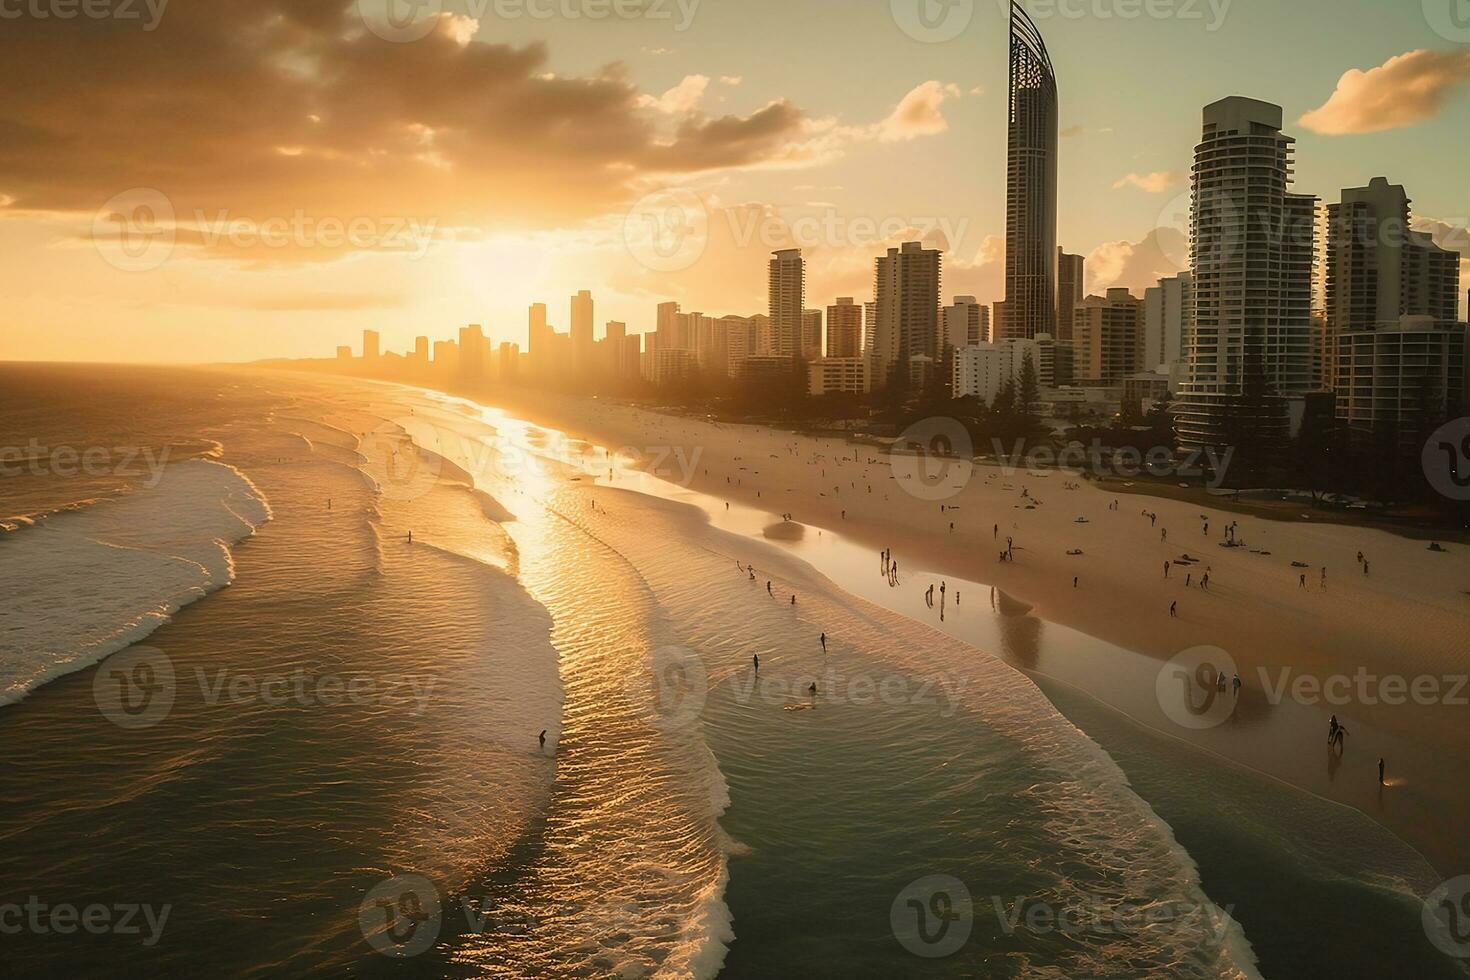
<point>1154,183</point>
<point>1404,90</point>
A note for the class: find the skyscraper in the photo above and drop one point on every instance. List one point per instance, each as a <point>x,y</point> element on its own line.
<point>906,284</point>
<point>371,347</point>
<point>844,328</point>
<point>1108,338</point>
<point>1394,344</point>
<point>1031,186</point>
<point>1070,272</point>
<point>966,323</point>
<point>1251,251</point>
<point>811,335</point>
<point>1168,308</point>
<point>582,331</point>
<point>538,338</point>
<point>788,300</point>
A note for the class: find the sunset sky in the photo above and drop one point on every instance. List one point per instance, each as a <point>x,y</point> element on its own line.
<point>495,161</point>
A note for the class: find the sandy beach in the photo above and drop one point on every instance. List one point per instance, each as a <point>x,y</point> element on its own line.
<point>1382,651</point>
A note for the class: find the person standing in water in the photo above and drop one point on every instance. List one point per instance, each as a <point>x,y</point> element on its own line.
<point>756,659</point>
<point>1380,770</point>
<point>543,738</point>
<point>824,642</point>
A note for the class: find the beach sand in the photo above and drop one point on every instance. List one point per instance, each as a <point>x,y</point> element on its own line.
<point>1408,619</point>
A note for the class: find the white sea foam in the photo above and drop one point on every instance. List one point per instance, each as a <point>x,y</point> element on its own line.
<point>85,582</point>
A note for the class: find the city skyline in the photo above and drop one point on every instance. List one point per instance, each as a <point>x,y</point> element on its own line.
<point>826,171</point>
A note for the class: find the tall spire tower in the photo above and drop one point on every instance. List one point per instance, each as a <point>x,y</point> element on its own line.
<point>1031,186</point>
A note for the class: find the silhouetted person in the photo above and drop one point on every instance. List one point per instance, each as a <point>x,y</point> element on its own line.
<point>543,738</point>
<point>756,659</point>
<point>1380,771</point>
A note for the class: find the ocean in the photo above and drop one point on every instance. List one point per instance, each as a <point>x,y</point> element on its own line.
<point>251,719</point>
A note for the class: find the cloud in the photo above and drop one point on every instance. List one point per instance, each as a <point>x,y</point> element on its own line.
<point>1404,90</point>
<point>1154,183</point>
<point>918,113</point>
<point>681,99</point>
<point>1134,265</point>
<point>732,79</point>
<point>342,124</point>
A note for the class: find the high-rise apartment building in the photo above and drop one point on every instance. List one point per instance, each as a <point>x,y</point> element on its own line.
<point>1251,254</point>
<point>811,335</point>
<point>1391,328</point>
<point>965,323</point>
<point>1108,338</point>
<point>1070,272</point>
<point>906,284</point>
<point>1167,310</point>
<point>787,301</point>
<point>582,332</point>
<point>371,345</point>
<point>844,328</point>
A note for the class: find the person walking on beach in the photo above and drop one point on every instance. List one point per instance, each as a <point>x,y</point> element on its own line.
<point>543,738</point>
<point>1074,581</point>
<point>1331,729</point>
<point>769,591</point>
<point>756,659</point>
<point>1302,581</point>
<point>1167,563</point>
<point>824,642</point>
<point>1324,578</point>
<point>793,598</point>
<point>1173,610</point>
<point>1164,534</point>
<point>1235,685</point>
<point>1188,579</point>
<point>1380,770</point>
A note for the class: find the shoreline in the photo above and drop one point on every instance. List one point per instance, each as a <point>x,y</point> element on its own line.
<point>1417,734</point>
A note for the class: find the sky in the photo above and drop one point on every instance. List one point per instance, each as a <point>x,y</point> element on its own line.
<point>224,180</point>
